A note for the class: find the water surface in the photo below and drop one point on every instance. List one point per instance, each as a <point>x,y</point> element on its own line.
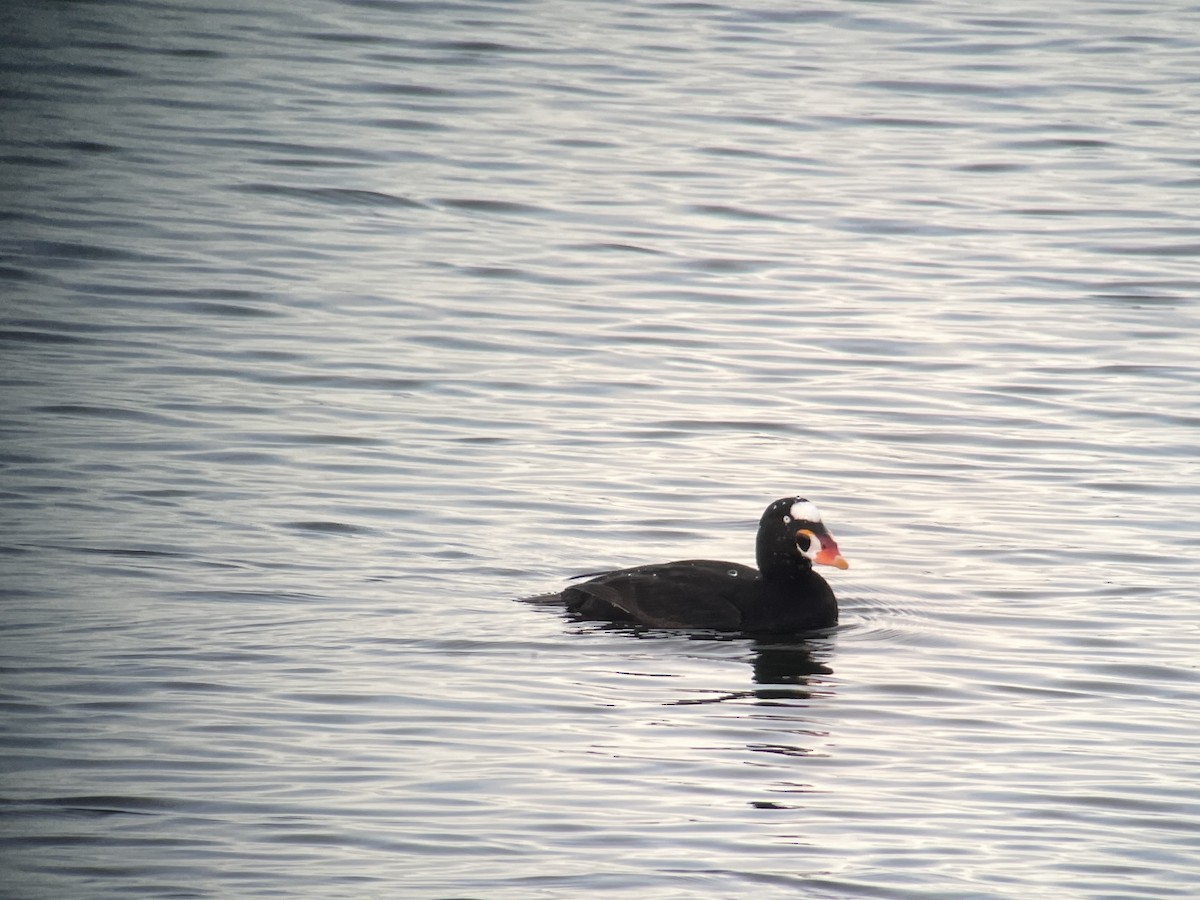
<point>331,330</point>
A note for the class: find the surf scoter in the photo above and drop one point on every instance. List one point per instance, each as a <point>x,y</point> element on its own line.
<point>783,595</point>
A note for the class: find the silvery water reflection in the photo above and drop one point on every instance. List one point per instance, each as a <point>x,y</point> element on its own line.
<point>331,330</point>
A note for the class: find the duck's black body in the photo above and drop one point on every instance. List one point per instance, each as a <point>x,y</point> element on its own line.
<point>783,595</point>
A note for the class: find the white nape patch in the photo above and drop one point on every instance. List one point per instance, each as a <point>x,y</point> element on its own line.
<point>805,511</point>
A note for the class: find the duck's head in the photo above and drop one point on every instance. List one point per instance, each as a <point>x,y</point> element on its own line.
<point>792,525</point>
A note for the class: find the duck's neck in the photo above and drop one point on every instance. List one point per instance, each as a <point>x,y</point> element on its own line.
<point>780,562</point>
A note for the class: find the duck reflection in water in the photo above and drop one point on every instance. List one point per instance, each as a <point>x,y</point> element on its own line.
<point>784,670</point>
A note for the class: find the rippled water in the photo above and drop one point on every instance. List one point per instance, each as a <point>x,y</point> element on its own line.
<point>333,329</point>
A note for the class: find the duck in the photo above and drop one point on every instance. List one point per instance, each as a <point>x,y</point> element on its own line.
<point>783,595</point>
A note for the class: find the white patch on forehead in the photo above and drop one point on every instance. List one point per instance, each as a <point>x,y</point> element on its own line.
<point>805,511</point>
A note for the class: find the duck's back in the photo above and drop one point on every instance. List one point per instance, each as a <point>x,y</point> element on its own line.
<point>689,593</point>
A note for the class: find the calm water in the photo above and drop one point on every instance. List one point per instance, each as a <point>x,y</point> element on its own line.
<point>333,329</point>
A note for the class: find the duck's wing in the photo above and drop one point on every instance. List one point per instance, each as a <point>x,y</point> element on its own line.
<point>685,594</point>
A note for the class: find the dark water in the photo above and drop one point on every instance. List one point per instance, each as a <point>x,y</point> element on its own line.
<point>331,329</point>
